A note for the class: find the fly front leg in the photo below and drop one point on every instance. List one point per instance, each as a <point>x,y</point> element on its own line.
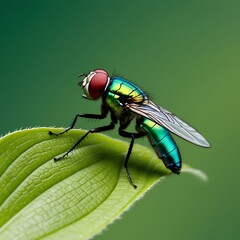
<point>95,130</point>
<point>132,136</point>
<point>93,116</point>
<point>104,112</point>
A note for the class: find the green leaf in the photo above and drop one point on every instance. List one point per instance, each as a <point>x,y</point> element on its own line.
<point>76,197</point>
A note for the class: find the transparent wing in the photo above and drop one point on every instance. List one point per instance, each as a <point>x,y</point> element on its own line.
<point>169,121</point>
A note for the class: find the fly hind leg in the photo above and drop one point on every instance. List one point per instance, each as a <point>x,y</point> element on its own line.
<point>132,136</point>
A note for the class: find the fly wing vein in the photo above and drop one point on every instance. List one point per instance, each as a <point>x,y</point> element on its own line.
<point>169,121</point>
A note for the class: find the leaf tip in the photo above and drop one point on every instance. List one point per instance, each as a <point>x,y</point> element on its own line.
<point>196,172</point>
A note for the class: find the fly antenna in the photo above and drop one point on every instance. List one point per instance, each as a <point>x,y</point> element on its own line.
<point>83,75</point>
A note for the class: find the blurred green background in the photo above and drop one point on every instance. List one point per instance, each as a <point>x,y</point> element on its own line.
<point>185,54</point>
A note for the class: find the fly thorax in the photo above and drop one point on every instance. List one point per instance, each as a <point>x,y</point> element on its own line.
<point>114,104</point>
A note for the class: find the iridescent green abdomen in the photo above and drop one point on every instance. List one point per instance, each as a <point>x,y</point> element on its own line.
<point>163,144</point>
<point>127,91</point>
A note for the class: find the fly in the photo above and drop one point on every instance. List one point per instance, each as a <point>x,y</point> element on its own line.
<point>126,102</point>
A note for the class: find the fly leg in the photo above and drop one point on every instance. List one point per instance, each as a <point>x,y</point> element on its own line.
<point>93,116</point>
<point>94,130</point>
<point>132,136</point>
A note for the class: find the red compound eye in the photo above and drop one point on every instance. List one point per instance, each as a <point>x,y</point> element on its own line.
<point>100,71</point>
<point>98,83</point>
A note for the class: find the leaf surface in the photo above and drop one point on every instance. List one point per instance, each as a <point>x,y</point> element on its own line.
<point>74,198</point>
